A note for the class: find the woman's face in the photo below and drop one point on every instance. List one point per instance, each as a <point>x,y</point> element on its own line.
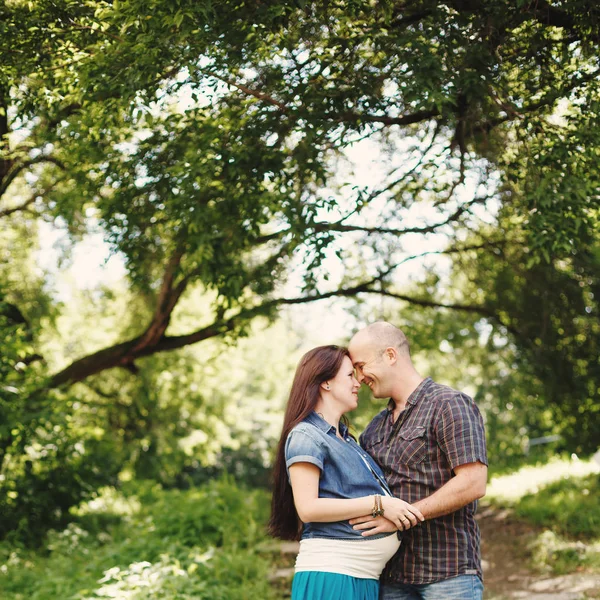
<point>344,387</point>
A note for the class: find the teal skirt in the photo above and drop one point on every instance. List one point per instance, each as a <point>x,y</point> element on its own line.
<point>316,585</point>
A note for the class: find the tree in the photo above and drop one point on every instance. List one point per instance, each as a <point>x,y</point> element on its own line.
<point>209,142</point>
<point>536,372</point>
<point>274,92</point>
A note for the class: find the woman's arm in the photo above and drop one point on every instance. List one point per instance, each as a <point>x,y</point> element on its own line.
<point>304,478</point>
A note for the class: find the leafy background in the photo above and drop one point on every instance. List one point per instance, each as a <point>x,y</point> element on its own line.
<point>193,194</point>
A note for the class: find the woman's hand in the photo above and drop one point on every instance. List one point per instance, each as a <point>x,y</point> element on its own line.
<point>370,525</point>
<point>402,514</point>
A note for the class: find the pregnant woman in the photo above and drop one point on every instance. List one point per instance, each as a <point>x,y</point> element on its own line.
<point>322,478</point>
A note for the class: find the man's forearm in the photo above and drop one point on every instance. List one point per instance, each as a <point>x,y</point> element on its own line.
<point>467,485</point>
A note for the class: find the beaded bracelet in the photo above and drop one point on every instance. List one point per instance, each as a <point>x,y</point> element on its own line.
<point>377,506</point>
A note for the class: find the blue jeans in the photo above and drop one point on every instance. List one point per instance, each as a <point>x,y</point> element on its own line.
<point>463,587</point>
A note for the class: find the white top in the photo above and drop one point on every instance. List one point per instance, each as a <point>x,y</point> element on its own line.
<point>364,558</point>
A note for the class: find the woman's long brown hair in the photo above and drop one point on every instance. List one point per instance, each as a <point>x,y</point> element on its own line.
<point>316,366</point>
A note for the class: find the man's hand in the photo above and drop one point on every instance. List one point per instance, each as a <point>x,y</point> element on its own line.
<point>370,525</point>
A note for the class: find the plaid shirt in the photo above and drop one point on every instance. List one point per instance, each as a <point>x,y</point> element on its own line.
<point>439,429</point>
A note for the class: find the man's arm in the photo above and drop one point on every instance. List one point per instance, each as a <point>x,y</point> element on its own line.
<point>460,434</point>
<point>466,486</point>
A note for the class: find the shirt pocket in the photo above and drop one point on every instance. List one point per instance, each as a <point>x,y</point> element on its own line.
<point>412,445</point>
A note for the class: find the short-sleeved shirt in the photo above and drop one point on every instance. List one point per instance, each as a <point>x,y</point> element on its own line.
<point>347,471</point>
<point>439,430</point>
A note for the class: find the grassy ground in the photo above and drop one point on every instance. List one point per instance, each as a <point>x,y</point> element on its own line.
<point>209,542</point>
<point>198,544</point>
<point>561,501</point>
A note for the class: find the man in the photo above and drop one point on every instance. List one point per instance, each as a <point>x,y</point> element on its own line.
<point>430,443</point>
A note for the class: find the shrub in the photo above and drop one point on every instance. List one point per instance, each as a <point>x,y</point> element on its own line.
<point>552,553</point>
<point>569,506</point>
<point>198,544</point>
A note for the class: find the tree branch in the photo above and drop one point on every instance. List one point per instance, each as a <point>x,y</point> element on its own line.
<point>125,353</point>
<point>337,225</point>
<point>470,308</point>
<point>249,91</point>
<point>410,119</point>
<point>546,101</point>
<point>19,167</point>
<point>417,117</point>
<point>322,226</point>
<point>168,297</point>
<point>9,211</point>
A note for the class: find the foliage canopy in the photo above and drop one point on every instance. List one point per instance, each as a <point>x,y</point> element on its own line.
<point>209,143</point>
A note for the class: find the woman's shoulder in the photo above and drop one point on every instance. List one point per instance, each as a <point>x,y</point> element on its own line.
<point>306,429</point>
<point>305,440</point>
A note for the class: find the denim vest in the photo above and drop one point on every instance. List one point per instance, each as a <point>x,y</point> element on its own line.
<point>347,471</point>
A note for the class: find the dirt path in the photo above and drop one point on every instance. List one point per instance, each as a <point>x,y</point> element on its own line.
<point>506,568</point>
<point>507,574</point>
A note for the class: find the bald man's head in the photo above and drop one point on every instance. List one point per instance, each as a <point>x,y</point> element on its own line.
<point>382,335</point>
<point>381,358</point>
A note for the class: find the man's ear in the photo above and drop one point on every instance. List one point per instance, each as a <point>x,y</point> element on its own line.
<point>391,355</point>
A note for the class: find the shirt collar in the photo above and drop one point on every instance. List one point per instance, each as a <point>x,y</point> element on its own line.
<point>318,421</point>
<point>419,392</point>
<point>416,395</point>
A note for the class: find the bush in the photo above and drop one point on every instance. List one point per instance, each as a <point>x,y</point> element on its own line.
<point>569,506</point>
<point>246,465</point>
<point>197,544</point>
<point>217,514</point>
<point>36,495</point>
<point>552,553</point>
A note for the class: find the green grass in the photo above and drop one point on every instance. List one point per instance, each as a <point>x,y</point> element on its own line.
<point>511,487</point>
<point>569,511</point>
<point>557,554</point>
<point>561,499</point>
<point>570,507</point>
<point>177,545</point>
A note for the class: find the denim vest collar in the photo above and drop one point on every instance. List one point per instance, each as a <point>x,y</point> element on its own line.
<point>318,421</point>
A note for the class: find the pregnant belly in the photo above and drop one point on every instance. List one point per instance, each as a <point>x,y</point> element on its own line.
<point>363,558</point>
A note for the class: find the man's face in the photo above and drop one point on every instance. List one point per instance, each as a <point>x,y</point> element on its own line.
<point>369,365</point>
